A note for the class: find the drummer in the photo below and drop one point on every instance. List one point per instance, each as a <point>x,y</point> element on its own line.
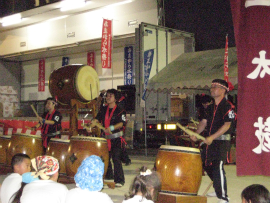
<point>113,118</point>
<point>217,120</point>
<point>50,123</point>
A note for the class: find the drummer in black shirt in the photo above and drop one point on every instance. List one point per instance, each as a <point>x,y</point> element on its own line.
<point>50,123</point>
<point>113,118</point>
<point>217,121</point>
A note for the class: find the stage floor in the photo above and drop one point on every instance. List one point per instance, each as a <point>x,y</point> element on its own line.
<point>235,184</point>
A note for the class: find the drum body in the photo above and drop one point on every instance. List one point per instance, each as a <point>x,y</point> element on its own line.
<point>26,144</point>
<point>4,142</point>
<point>58,148</point>
<point>74,82</point>
<point>81,147</point>
<point>180,169</point>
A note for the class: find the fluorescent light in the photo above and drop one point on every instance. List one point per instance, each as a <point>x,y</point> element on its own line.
<point>72,4</point>
<point>119,3</point>
<point>10,20</point>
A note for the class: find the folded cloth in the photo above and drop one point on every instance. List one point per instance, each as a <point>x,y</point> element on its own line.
<point>28,178</point>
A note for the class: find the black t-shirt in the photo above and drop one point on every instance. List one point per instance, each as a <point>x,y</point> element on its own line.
<point>119,115</point>
<point>216,116</point>
<point>57,118</point>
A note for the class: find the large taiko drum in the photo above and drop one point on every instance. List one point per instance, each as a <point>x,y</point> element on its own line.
<point>81,147</point>
<point>180,169</point>
<point>4,142</point>
<point>26,144</point>
<point>74,82</point>
<point>58,148</point>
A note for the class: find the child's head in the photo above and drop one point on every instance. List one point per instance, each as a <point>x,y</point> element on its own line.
<point>147,184</point>
<point>89,175</point>
<point>255,194</point>
<point>46,167</point>
<point>21,163</point>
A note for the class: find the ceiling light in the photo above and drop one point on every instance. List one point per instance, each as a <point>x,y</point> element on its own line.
<point>72,4</point>
<point>10,20</point>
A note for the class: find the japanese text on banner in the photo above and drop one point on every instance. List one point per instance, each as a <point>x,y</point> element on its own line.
<point>148,61</point>
<point>128,65</point>
<point>41,75</point>
<point>106,44</point>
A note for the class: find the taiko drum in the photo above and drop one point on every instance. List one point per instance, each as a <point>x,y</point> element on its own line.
<point>77,81</point>
<point>26,144</point>
<point>4,142</point>
<point>58,148</point>
<point>82,147</point>
<point>180,169</point>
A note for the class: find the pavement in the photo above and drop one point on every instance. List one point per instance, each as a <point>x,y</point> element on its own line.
<point>138,158</point>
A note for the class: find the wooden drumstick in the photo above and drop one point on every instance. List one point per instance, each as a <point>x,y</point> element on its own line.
<point>190,132</point>
<point>193,121</point>
<point>33,108</point>
<point>98,125</point>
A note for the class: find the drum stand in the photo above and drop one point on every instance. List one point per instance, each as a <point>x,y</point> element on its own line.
<point>78,108</point>
<point>173,198</point>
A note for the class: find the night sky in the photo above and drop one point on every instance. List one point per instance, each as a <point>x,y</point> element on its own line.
<point>209,20</point>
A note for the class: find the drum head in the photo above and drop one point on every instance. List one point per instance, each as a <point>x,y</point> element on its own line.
<point>87,83</point>
<point>178,148</point>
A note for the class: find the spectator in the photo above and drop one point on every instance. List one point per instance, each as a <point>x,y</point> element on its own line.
<point>255,194</point>
<point>20,163</point>
<point>89,182</point>
<point>46,189</point>
<point>144,188</point>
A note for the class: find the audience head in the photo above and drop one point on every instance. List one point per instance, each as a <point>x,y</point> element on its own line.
<point>46,167</point>
<point>21,163</point>
<point>255,194</point>
<point>146,183</point>
<point>89,175</point>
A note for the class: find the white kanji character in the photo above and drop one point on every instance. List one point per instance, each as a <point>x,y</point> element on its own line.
<point>262,62</point>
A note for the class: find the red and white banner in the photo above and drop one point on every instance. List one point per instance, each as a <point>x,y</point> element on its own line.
<point>91,57</point>
<point>106,47</point>
<point>252,31</point>
<point>226,67</point>
<point>41,75</point>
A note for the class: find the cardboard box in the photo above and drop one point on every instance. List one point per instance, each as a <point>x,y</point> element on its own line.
<point>7,90</point>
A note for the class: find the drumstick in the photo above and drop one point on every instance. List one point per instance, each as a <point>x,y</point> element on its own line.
<point>33,108</point>
<point>98,125</point>
<point>208,187</point>
<point>190,132</point>
<point>193,121</point>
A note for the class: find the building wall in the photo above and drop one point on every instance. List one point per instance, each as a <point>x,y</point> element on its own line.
<point>85,26</point>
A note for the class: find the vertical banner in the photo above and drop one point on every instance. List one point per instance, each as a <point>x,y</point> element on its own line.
<point>252,30</point>
<point>91,56</point>
<point>148,61</point>
<point>65,61</point>
<point>128,65</point>
<point>41,75</point>
<point>226,67</point>
<point>106,47</point>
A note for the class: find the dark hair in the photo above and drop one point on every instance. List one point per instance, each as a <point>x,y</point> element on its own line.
<point>144,184</point>
<point>206,98</point>
<point>17,195</point>
<point>17,159</point>
<point>256,193</point>
<point>116,93</point>
<point>51,99</point>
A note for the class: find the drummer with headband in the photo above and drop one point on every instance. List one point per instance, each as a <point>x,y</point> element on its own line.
<point>217,120</point>
<point>113,118</point>
<point>50,123</point>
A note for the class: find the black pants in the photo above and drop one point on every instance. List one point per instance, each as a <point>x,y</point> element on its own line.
<point>216,173</point>
<point>115,154</point>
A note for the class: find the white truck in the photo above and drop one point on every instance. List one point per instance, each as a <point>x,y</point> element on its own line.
<point>159,108</point>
